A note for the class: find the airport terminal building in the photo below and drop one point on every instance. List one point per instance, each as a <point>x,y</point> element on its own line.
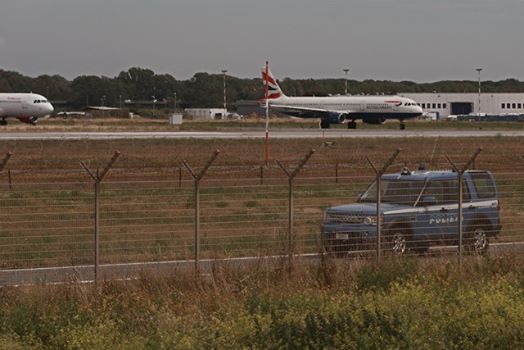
<point>446,104</point>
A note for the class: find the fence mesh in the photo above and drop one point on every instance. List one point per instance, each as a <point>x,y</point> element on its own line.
<point>147,208</point>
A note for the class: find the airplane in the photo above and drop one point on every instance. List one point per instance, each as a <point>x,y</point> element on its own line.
<point>25,107</point>
<point>339,109</point>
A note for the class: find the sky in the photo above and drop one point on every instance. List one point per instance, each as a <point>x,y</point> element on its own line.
<point>417,40</point>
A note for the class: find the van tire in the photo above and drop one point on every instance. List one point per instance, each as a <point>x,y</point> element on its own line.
<point>477,240</point>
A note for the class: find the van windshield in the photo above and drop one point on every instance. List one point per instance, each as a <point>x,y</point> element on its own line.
<point>395,191</point>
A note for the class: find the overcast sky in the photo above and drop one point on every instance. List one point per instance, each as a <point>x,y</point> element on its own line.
<point>418,40</point>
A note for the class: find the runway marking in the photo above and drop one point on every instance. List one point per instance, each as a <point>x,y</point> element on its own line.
<point>244,135</point>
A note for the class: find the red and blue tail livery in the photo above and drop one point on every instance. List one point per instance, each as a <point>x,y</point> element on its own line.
<point>273,91</point>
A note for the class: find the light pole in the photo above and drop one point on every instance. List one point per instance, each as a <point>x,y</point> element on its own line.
<point>479,69</point>
<point>154,101</point>
<point>346,71</point>
<point>224,71</point>
<point>102,102</point>
<point>174,103</point>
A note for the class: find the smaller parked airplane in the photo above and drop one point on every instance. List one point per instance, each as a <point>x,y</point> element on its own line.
<point>25,107</point>
<point>340,109</point>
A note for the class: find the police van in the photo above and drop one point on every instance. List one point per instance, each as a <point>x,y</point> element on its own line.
<point>418,209</point>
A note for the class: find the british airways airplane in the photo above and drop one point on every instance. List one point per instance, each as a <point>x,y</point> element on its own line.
<point>340,109</point>
<point>25,107</point>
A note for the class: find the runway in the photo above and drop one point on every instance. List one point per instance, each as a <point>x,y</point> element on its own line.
<point>245,135</point>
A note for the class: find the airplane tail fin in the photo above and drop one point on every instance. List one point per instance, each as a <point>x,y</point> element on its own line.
<point>273,91</point>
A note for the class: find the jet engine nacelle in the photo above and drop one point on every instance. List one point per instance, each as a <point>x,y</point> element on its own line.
<point>336,118</point>
<point>374,120</point>
<point>28,120</point>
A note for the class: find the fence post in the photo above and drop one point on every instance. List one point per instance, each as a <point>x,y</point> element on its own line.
<point>179,177</point>
<point>261,174</point>
<point>336,172</point>
<point>460,173</point>
<point>10,180</point>
<point>97,179</point>
<point>291,176</point>
<point>378,174</point>
<point>3,165</point>
<point>196,183</point>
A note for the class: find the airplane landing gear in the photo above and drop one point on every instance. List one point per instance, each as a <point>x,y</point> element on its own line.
<point>324,124</point>
<point>352,125</point>
<point>3,121</point>
<point>402,126</point>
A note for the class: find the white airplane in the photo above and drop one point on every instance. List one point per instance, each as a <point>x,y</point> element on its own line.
<point>340,109</point>
<point>25,107</point>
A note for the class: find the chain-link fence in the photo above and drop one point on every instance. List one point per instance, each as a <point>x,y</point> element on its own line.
<point>196,210</point>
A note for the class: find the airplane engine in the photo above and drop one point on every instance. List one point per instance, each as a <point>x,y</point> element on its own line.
<point>336,118</point>
<point>374,120</point>
<point>28,120</point>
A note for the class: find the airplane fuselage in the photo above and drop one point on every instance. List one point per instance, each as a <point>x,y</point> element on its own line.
<point>25,107</point>
<point>367,108</point>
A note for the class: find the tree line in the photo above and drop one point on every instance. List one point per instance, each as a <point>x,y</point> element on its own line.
<point>206,90</point>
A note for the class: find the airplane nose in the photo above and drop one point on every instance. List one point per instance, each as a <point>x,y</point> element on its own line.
<point>49,108</point>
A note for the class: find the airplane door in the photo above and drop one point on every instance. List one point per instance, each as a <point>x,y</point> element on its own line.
<point>25,105</point>
<point>396,107</point>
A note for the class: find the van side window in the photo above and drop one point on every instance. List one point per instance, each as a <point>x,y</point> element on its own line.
<point>483,185</point>
<point>445,191</point>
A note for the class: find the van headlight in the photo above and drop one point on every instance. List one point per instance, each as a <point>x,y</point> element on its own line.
<point>370,220</point>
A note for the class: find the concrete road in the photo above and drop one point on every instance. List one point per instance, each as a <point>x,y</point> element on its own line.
<point>85,273</point>
<point>277,134</point>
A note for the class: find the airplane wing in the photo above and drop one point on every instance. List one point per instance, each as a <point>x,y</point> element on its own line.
<point>307,112</point>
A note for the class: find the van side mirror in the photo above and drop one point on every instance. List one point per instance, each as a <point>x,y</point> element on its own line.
<point>428,200</point>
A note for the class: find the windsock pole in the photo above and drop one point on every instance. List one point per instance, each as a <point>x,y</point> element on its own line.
<point>266,145</point>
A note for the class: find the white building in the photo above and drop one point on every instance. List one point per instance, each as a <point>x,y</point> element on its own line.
<point>206,113</point>
<point>445,104</point>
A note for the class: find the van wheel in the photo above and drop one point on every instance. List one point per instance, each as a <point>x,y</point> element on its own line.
<point>397,240</point>
<point>477,241</point>
<point>399,243</point>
